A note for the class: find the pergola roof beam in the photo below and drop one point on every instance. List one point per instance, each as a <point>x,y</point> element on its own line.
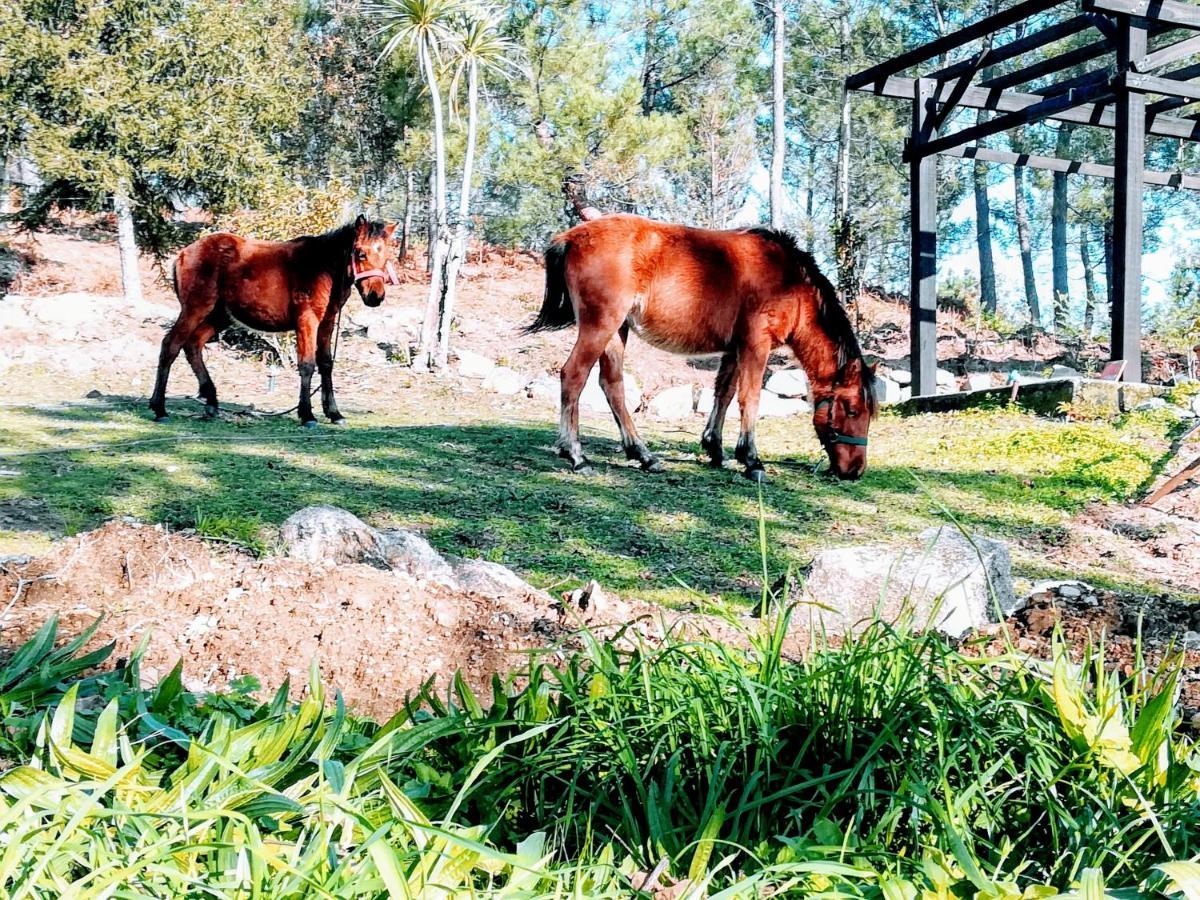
<point>1169,87</point>
<point>1167,55</point>
<point>952,41</point>
<point>901,88</point>
<point>1070,166</point>
<point>1049,66</point>
<point>1170,12</point>
<point>1005,52</point>
<point>1023,116</point>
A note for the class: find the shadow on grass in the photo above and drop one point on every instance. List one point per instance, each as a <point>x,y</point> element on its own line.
<point>495,491</point>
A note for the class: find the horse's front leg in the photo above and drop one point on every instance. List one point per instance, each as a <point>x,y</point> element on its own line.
<point>325,367</point>
<point>752,364</point>
<point>306,353</point>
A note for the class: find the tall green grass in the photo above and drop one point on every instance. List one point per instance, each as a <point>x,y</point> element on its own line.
<point>893,766</point>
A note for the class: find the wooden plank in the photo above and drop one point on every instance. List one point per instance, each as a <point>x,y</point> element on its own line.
<point>1152,84</point>
<point>951,41</point>
<point>1167,55</point>
<point>1049,66</point>
<point>1128,217</point>
<point>1033,41</point>
<point>1070,166</point>
<point>1170,12</point>
<point>1191,470</point>
<point>1032,113</point>
<point>923,245</point>
<point>901,88</point>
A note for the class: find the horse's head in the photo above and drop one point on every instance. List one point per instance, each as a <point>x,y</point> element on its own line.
<point>842,413</point>
<point>371,260</point>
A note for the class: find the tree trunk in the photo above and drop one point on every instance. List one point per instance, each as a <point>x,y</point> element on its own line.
<point>843,167</point>
<point>778,124</point>
<point>430,219</point>
<point>1058,233</point>
<point>1021,211</point>
<point>1089,281</point>
<point>458,247</point>
<point>983,233</point>
<point>131,282</point>
<point>810,226</point>
<point>406,227</point>
<point>427,349</point>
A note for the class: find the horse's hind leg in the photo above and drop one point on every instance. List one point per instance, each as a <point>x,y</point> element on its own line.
<point>711,439</point>
<point>612,380</point>
<point>589,345</point>
<point>325,368</point>
<point>194,350</point>
<point>752,363</point>
<point>173,342</point>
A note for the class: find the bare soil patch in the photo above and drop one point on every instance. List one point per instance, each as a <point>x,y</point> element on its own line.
<point>377,636</point>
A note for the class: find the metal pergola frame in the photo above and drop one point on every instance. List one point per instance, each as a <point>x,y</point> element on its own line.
<point>1112,96</point>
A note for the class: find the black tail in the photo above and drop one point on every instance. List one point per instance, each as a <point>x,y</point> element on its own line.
<point>556,311</point>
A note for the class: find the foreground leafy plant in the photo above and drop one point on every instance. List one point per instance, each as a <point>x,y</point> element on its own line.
<point>892,766</point>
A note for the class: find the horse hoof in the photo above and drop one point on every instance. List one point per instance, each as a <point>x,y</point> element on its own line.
<point>337,420</point>
<point>162,417</point>
<point>311,423</point>
<point>651,464</point>
<point>756,474</point>
<point>211,412</point>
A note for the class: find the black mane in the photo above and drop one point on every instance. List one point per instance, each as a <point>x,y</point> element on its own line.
<point>831,315</point>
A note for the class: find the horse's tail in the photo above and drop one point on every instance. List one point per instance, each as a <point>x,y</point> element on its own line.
<point>557,311</point>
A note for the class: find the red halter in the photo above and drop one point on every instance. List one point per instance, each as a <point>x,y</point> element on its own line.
<point>387,273</point>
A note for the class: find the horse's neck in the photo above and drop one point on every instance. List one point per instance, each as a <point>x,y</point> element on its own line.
<point>812,346</point>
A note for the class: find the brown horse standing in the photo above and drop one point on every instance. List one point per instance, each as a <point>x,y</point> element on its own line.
<point>739,294</point>
<point>298,285</point>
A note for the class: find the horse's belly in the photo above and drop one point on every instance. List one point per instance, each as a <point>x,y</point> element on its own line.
<point>675,336</point>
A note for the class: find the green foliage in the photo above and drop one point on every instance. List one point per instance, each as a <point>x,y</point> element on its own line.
<point>287,210</point>
<point>892,766</point>
<point>245,531</point>
<point>178,100</point>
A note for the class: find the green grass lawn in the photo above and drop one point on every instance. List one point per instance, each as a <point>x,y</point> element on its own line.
<point>496,490</point>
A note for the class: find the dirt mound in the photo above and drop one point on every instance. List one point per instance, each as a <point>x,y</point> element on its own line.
<point>377,635</point>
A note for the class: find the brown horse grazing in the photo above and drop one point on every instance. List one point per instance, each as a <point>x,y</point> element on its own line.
<point>739,294</point>
<point>298,285</point>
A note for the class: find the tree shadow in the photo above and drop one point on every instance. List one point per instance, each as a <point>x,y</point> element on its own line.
<point>492,490</point>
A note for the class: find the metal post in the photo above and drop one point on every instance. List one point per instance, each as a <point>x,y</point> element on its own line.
<point>923,258</point>
<point>1130,163</point>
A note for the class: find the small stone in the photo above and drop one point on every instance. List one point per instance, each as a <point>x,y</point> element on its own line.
<point>980,381</point>
<point>1190,640</point>
<point>1063,372</point>
<point>771,406</point>
<point>1151,404</point>
<point>1070,592</point>
<point>505,381</point>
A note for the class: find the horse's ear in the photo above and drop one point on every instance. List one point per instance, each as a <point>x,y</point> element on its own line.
<point>389,230</point>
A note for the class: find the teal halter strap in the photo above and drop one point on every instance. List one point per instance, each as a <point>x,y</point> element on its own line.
<point>835,436</point>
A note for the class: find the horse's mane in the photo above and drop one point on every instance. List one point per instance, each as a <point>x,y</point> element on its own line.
<point>831,315</point>
<point>337,241</point>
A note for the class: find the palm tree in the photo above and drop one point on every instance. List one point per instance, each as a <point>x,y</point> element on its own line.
<point>426,25</point>
<point>481,48</point>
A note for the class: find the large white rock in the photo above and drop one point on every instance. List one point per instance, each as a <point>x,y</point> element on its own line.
<point>673,403</point>
<point>772,407</point>
<point>485,577</point>
<point>1063,372</point>
<point>946,580</point>
<point>945,378</point>
<point>328,534</point>
<point>887,391</point>
<point>406,551</point>
<point>979,381</point>
<point>704,405</point>
<point>504,380</point>
<point>788,383</point>
<point>544,387</point>
<point>902,377</point>
<point>592,397</point>
<point>474,365</point>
